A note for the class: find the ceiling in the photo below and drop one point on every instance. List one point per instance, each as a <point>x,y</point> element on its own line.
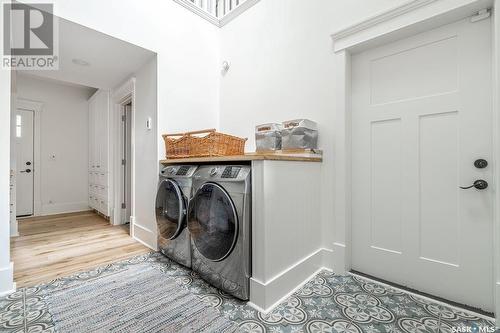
<point>111,60</point>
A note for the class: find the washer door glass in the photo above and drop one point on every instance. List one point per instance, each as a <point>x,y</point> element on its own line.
<point>170,209</point>
<point>213,222</point>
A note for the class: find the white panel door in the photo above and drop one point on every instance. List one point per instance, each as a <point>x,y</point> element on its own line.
<point>422,115</point>
<point>24,161</point>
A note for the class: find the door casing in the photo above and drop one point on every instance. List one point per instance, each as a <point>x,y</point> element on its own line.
<point>409,19</point>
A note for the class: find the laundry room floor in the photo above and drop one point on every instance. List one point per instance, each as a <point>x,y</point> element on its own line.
<point>327,303</point>
<point>49,247</point>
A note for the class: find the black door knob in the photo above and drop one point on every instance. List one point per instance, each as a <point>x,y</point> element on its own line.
<point>478,184</point>
<point>480,163</point>
<point>28,163</point>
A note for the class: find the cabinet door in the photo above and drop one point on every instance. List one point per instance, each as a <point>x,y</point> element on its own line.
<point>104,110</point>
<point>99,130</point>
<point>91,135</point>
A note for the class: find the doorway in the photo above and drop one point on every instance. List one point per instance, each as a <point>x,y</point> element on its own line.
<point>24,138</point>
<point>126,158</point>
<point>422,210</point>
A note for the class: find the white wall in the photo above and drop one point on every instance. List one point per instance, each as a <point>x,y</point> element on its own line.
<point>146,159</point>
<point>187,48</point>
<point>282,67</point>
<point>188,68</point>
<point>63,133</point>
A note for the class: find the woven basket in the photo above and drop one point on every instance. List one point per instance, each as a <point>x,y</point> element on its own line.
<point>202,143</point>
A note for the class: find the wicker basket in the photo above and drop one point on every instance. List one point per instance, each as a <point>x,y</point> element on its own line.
<point>202,143</point>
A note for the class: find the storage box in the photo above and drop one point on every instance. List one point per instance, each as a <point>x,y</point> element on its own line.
<point>299,134</point>
<point>268,137</point>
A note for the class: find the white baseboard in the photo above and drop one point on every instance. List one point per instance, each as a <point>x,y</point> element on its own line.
<point>264,296</point>
<point>497,304</point>
<point>14,231</point>
<point>338,256</point>
<point>7,284</point>
<point>328,259</point>
<point>144,235</point>
<point>60,208</point>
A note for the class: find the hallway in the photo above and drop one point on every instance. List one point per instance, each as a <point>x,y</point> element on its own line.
<point>54,246</point>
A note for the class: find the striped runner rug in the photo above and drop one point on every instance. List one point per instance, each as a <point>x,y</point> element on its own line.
<point>140,298</point>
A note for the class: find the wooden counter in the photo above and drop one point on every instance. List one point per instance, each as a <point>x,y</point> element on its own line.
<point>303,157</point>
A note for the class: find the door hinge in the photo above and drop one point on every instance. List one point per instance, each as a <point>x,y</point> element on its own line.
<point>124,162</point>
<point>124,206</point>
<point>480,15</point>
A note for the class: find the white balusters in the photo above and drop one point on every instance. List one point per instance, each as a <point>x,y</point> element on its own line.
<point>214,11</point>
<point>217,8</point>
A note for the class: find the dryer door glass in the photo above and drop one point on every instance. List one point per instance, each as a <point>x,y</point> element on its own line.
<point>170,209</point>
<point>213,222</point>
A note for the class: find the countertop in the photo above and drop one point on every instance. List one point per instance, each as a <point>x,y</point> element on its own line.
<point>258,156</point>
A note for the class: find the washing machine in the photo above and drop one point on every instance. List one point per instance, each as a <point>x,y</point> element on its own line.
<point>172,200</point>
<point>219,221</point>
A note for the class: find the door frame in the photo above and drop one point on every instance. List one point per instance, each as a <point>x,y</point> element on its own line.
<point>36,108</point>
<point>411,18</point>
<point>120,97</point>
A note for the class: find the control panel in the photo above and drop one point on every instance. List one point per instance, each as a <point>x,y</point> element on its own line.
<point>231,172</point>
<point>178,171</point>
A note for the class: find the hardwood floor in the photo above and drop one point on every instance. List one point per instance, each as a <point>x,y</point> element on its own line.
<point>60,245</point>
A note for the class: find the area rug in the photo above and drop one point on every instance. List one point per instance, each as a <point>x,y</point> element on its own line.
<point>137,299</point>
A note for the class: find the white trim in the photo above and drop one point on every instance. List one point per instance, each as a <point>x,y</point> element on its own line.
<point>278,302</point>
<point>140,230</point>
<point>265,295</point>
<point>406,20</point>
<point>137,225</point>
<point>37,108</point>
<point>67,207</point>
<point>380,18</point>
<point>6,279</point>
<point>122,95</point>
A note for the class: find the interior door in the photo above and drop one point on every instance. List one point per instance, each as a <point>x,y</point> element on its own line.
<point>422,116</point>
<point>24,161</point>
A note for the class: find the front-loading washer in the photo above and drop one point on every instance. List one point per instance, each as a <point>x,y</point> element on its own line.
<point>172,200</point>
<point>219,221</point>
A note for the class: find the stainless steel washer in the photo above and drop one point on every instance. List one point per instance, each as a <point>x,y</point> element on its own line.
<point>172,200</point>
<point>219,221</point>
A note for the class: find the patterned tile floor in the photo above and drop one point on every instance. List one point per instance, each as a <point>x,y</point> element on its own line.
<point>327,303</point>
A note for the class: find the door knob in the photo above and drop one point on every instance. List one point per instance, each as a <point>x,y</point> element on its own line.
<point>480,163</point>
<point>478,184</point>
<point>27,170</point>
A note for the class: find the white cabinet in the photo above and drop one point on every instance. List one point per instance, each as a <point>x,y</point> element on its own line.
<point>99,152</point>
